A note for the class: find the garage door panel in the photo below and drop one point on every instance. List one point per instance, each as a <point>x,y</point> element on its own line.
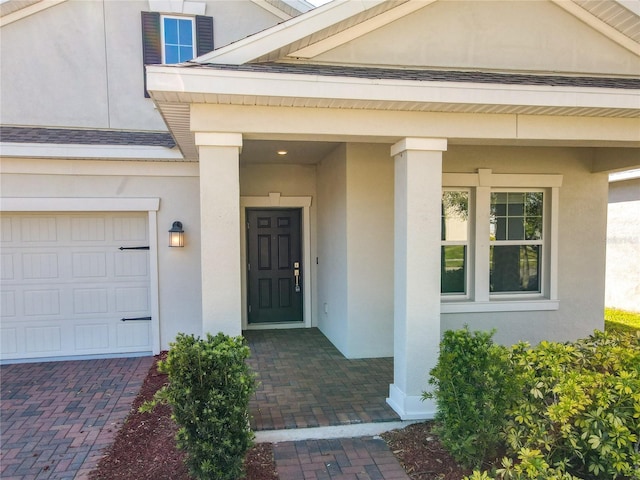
<point>36,266</point>
<point>88,229</point>
<point>43,339</point>
<point>89,264</point>
<point>90,300</point>
<point>8,303</point>
<point>39,229</point>
<point>66,285</point>
<point>133,333</point>
<point>41,302</point>
<point>92,336</point>
<point>6,266</point>
<point>129,229</point>
<point>132,300</point>
<point>132,263</point>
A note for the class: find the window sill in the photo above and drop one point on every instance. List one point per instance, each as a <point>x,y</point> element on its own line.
<point>499,306</point>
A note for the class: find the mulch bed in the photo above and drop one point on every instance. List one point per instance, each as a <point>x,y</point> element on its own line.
<point>145,448</point>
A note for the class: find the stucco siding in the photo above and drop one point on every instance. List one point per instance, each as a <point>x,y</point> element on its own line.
<point>79,63</point>
<point>333,283</point>
<point>370,250</point>
<point>529,36</point>
<point>581,249</point>
<point>179,291</point>
<point>623,246</point>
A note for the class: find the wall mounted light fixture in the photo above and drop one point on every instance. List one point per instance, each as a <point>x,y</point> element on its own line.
<point>176,235</point>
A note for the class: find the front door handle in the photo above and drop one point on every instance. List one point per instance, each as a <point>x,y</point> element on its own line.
<point>296,274</point>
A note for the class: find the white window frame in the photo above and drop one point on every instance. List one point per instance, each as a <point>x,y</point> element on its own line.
<point>163,42</point>
<point>469,250</point>
<point>481,185</point>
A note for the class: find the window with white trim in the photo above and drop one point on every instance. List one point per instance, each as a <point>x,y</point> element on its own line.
<point>178,39</point>
<point>455,242</point>
<point>499,241</point>
<point>174,38</point>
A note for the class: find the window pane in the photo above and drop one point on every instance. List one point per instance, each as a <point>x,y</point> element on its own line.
<point>171,31</point>
<point>186,53</point>
<point>185,32</point>
<point>453,269</point>
<point>455,215</point>
<point>171,54</point>
<point>516,216</point>
<point>515,268</point>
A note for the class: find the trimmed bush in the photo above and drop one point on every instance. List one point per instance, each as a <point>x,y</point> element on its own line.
<point>473,386</point>
<point>578,414</point>
<point>209,390</point>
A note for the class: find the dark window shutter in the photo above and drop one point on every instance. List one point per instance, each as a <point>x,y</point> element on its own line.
<point>204,34</point>
<point>151,43</point>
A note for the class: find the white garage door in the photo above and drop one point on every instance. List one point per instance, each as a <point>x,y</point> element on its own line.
<point>68,289</point>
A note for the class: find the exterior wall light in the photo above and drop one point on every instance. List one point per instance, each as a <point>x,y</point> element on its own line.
<point>176,235</point>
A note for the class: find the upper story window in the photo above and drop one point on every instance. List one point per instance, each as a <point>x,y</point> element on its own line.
<point>174,38</point>
<point>178,39</point>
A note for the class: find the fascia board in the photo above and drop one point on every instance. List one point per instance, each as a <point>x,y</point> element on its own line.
<point>48,150</point>
<point>262,43</point>
<point>594,22</point>
<point>272,9</point>
<point>224,82</point>
<point>359,30</point>
<point>28,11</point>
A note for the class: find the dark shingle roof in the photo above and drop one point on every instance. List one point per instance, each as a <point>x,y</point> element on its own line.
<point>11,134</point>
<point>431,75</point>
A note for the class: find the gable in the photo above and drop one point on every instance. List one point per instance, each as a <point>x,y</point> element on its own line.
<point>488,35</point>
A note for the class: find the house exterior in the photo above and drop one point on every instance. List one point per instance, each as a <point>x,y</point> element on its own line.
<point>623,242</point>
<point>381,170</point>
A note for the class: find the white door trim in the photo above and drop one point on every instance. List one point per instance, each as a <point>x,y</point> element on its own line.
<point>97,204</point>
<point>275,200</point>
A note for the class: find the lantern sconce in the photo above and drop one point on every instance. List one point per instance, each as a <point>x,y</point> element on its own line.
<point>176,235</point>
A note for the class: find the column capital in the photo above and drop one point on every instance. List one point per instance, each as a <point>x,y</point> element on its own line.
<point>418,143</point>
<point>215,139</point>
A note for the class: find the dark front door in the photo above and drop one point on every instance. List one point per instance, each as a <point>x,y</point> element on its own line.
<point>274,266</point>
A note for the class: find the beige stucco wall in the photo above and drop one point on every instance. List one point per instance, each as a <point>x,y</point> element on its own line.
<point>333,248</point>
<point>623,246</point>
<point>180,302</point>
<point>59,68</point>
<point>523,35</point>
<point>581,249</point>
<point>370,250</point>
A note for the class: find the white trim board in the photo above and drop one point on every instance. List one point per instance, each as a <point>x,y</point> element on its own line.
<point>54,150</point>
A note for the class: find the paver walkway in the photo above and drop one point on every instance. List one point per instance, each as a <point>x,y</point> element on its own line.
<point>57,417</point>
<point>304,381</point>
<point>341,459</point>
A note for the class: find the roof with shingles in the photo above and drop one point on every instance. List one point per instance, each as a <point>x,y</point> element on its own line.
<point>375,73</point>
<point>62,136</point>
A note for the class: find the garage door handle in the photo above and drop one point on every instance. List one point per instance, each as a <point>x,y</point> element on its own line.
<point>135,319</point>
<point>134,248</point>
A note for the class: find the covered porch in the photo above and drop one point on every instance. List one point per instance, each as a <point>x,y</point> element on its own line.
<point>304,381</point>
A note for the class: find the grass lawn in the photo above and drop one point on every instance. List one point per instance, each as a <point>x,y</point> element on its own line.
<point>621,320</point>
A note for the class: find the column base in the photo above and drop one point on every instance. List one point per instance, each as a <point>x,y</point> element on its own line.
<point>410,407</point>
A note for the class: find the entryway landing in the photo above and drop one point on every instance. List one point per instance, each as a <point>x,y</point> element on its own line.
<point>304,381</point>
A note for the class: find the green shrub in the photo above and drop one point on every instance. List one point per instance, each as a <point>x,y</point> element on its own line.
<point>581,405</point>
<point>473,386</point>
<point>209,390</point>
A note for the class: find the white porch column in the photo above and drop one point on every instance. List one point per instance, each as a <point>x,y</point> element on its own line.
<point>220,232</point>
<point>418,194</point>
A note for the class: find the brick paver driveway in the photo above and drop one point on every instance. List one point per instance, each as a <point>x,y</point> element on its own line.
<point>57,417</point>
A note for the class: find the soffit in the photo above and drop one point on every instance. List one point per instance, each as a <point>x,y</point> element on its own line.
<point>614,14</point>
